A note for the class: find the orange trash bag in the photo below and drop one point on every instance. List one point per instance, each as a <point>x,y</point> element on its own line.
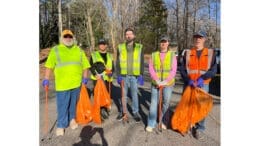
<point>194,106</point>
<point>83,110</point>
<point>101,99</point>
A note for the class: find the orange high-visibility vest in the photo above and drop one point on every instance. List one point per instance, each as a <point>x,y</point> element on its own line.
<point>198,66</point>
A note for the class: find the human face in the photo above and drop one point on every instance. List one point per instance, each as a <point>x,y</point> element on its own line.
<point>129,35</point>
<point>164,45</point>
<point>68,40</point>
<point>199,41</point>
<point>102,47</point>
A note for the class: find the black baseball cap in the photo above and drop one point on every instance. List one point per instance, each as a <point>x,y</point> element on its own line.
<point>102,41</point>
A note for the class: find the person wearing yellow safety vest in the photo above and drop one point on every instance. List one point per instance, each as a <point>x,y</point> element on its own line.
<point>101,61</point>
<point>130,68</point>
<point>69,64</point>
<point>162,68</point>
<point>197,68</point>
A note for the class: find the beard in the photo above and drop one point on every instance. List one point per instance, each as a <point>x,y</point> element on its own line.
<point>129,40</point>
<point>68,43</point>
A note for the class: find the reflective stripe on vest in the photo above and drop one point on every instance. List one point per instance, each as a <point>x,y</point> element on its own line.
<point>61,64</point>
<point>198,66</point>
<point>163,70</point>
<point>136,58</point>
<point>98,58</point>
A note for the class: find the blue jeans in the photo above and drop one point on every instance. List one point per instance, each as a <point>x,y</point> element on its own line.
<point>201,125</point>
<point>167,94</point>
<point>66,106</point>
<point>131,82</point>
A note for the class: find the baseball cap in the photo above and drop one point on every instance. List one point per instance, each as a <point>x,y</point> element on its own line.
<point>102,41</point>
<point>67,32</point>
<point>173,44</point>
<point>200,33</point>
<point>164,38</point>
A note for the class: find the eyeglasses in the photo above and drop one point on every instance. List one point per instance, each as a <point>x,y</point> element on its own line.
<point>68,36</point>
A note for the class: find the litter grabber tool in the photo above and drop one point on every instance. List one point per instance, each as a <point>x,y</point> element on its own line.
<point>160,108</point>
<point>125,118</point>
<point>47,134</point>
<point>46,111</point>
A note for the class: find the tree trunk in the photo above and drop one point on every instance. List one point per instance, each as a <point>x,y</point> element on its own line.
<point>90,29</point>
<point>60,18</point>
<point>186,22</point>
<point>177,24</point>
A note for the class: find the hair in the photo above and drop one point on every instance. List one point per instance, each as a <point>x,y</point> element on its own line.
<point>129,29</point>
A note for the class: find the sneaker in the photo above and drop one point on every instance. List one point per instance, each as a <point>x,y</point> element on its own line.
<point>137,118</point>
<point>104,113</point>
<point>119,117</point>
<point>73,124</point>
<point>197,134</point>
<point>59,132</point>
<point>149,129</point>
<point>164,126</point>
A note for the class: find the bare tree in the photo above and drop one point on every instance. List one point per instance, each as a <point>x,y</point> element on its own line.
<point>60,17</point>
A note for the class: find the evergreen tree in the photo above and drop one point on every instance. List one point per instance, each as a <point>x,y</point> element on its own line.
<point>152,23</point>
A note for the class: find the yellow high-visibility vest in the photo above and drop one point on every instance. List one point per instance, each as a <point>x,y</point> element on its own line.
<point>163,69</point>
<point>136,58</point>
<point>96,57</point>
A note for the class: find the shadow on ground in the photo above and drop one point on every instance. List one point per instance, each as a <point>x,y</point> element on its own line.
<point>87,133</point>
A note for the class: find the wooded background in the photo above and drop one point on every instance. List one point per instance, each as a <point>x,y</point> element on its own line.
<point>93,19</point>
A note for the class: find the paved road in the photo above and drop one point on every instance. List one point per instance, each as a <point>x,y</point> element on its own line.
<point>115,133</point>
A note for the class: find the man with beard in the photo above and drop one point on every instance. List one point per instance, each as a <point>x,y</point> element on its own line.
<point>130,68</point>
<point>69,64</point>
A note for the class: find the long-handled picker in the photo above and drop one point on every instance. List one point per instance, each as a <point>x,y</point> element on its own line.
<point>125,118</point>
<point>160,108</point>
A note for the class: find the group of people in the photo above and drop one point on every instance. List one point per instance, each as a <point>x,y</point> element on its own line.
<point>70,66</point>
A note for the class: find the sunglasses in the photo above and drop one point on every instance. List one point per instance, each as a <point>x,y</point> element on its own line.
<point>68,36</point>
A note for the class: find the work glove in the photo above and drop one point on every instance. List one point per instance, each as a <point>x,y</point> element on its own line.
<point>200,82</point>
<point>119,79</point>
<point>163,83</point>
<point>109,73</point>
<point>99,76</point>
<point>157,82</point>
<point>192,83</point>
<point>85,81</point>
<point>45,82</point>
<point>140,79</point>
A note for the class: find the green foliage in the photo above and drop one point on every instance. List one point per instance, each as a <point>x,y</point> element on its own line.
<point>152,23</point>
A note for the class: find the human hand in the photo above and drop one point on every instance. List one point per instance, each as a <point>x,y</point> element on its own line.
<point>200,82</point>
<point>85,80</point>
<point>98,76</point>
<point>157,82</point>
<point>119,79</point>
<point>163,83</point>
<point>140,79</point>
<point>109,73</point>
<point>45,82</point>
<point>192,83</point>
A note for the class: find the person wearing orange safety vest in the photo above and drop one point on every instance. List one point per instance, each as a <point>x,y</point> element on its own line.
<point>70,66</point>
<point>198,67</point>
<point>162,68</point>
<point>130,68</point>
<point>102,66</point>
